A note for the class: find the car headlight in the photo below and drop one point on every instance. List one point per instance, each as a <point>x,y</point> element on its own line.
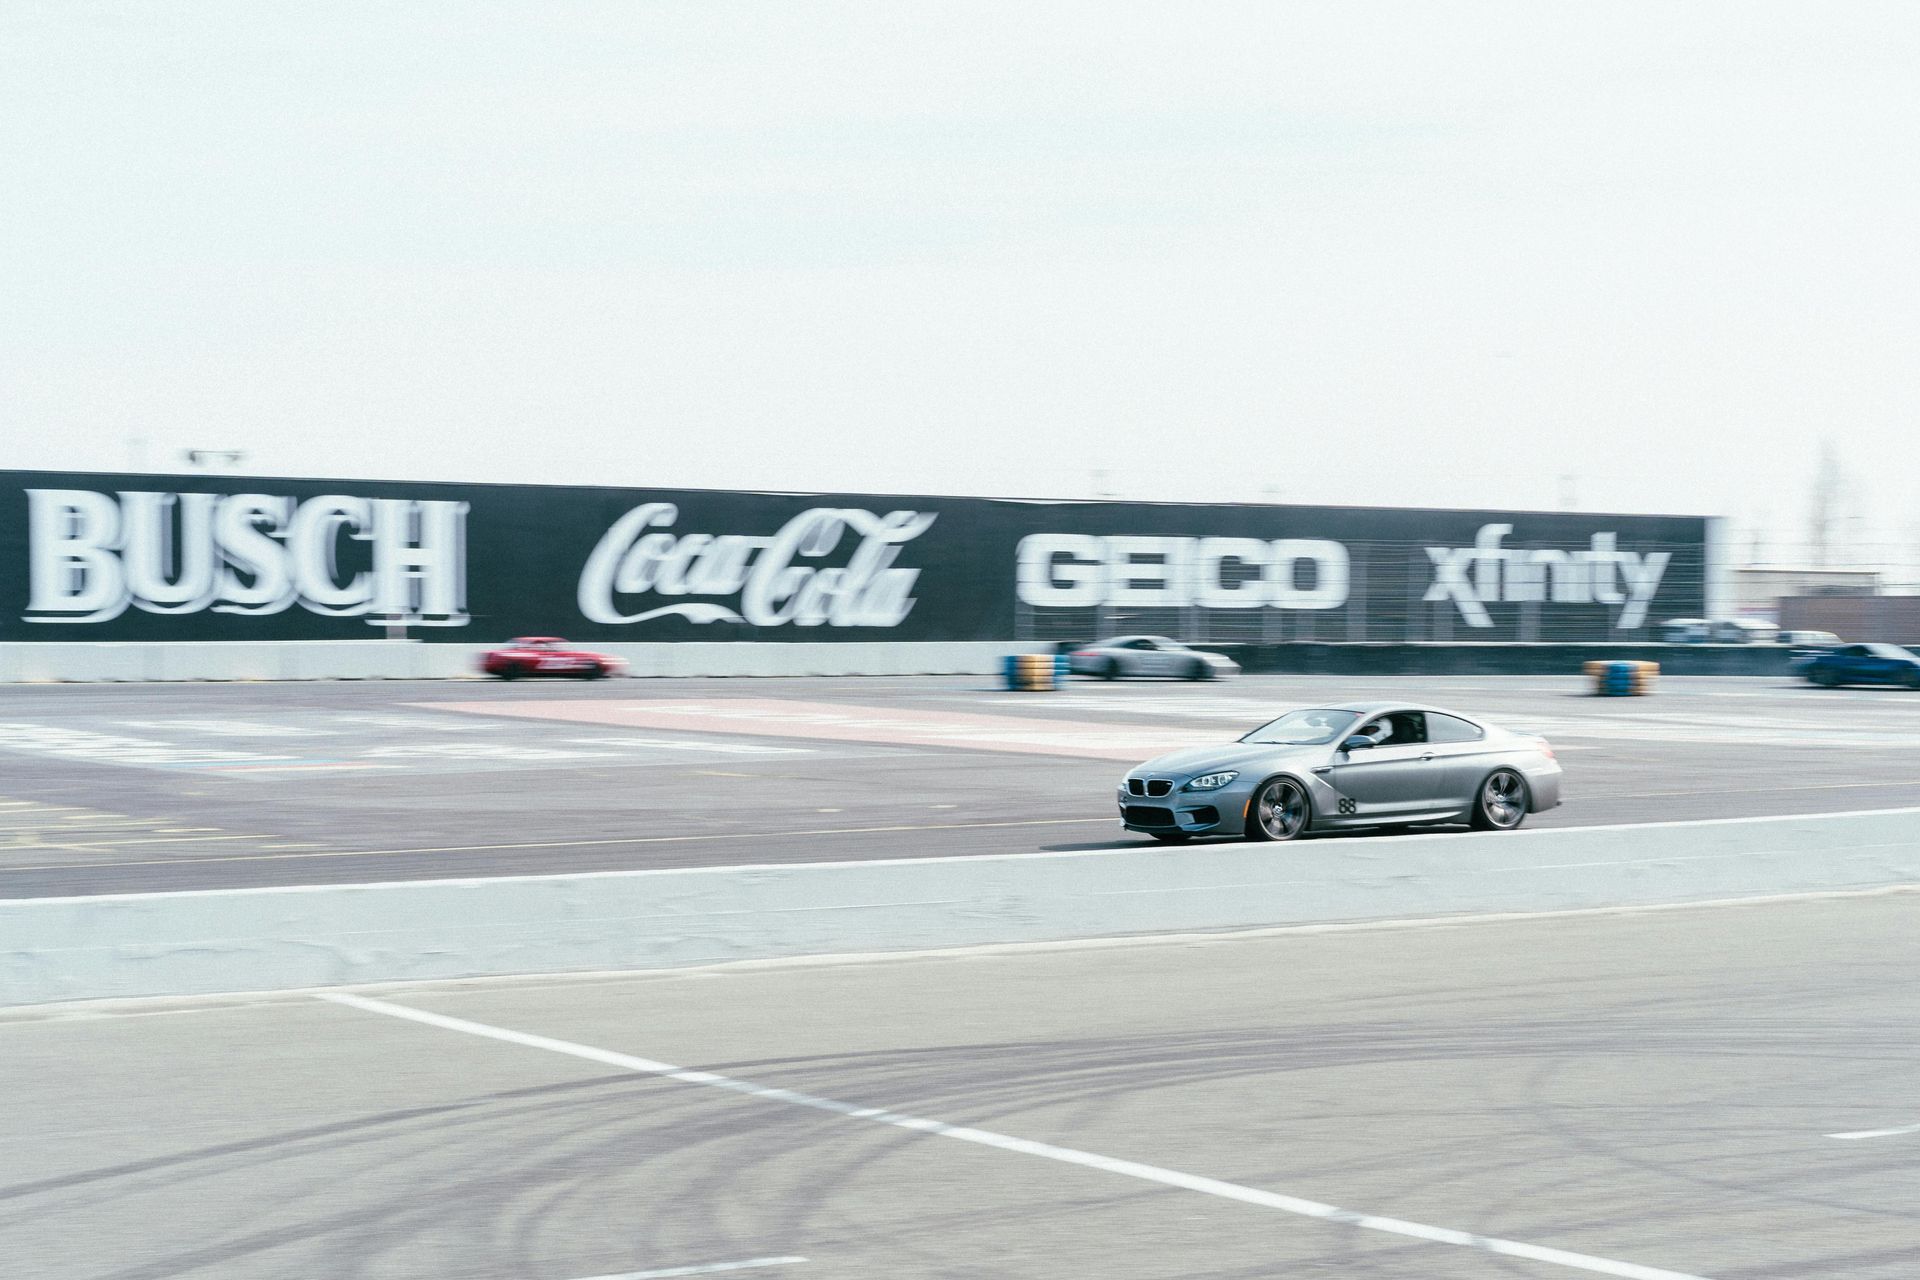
<point>1210,781</point>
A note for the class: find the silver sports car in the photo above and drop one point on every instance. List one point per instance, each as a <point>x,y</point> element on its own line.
<point>1149,656</point>
<point>1327,768</point>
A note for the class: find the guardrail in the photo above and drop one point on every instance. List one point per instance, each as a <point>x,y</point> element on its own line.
<point>281,939</point>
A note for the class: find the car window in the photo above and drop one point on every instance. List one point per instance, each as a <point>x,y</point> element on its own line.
<point>1394,729</point>
<point>1409,727</point>
<point>1451,729</point>
<point>1308,728</point>
<point>1142,643</point>
<point>1886,651</point>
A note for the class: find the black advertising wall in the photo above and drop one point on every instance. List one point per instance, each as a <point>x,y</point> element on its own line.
<point>167,557</point>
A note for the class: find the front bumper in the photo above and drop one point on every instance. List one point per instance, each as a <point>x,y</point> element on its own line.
<point>1221,812</point>
<point>1151,816</point>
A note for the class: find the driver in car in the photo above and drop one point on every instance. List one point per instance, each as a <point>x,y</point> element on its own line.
<point>1376,731</point>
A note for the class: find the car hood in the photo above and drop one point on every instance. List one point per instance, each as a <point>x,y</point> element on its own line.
<point>1226,755</point>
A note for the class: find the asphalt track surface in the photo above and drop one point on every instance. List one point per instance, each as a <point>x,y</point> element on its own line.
<point>142,788</point>
<point>1723,1092</point>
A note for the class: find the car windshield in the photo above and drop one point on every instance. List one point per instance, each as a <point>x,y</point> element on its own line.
<point>1309,728</point>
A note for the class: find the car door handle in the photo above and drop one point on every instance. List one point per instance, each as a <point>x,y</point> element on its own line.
<point>1323,768</point>
<point>1427,756</point>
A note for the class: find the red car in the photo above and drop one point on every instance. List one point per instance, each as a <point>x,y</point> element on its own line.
<point>547,656</point>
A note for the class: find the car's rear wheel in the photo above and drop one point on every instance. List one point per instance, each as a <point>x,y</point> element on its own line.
<point>1280,810</point>
<point>1823,677</point>
<point>1110,669</point>
<point>1171,837</point>
<point>508,672</point>
<point>1501,804</point>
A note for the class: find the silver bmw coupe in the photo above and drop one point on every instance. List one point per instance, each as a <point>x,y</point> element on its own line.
<point>1331,768</point>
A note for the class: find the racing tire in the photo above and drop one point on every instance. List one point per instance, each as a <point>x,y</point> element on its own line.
<point>1502,801</point>
<point>508,673</point>
<point>1279,810</point>
<point>1823,678</point>
<point>1111,670</point>
<point>1199,670</point>
<point>1171,837</point>
<point>1913,679</point>
<point>594,672</point>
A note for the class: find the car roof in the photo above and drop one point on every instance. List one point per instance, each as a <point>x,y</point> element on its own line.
<point>537,640</point>
<point>1382,708</point>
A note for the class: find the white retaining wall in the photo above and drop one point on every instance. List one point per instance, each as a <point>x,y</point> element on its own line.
<point>279,939</point>
<point>79,661</point>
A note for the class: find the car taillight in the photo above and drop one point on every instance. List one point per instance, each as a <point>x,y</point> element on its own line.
<point>1548,748</point>
<point>1084,653</point>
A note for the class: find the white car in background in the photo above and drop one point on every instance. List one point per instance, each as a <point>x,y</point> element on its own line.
<point>1744,631</point>
<point>1149,656</point>
<point>1718,631</point>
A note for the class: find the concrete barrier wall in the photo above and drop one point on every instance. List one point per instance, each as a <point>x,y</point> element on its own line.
<point>1483,658</point>
<point>53,661</point>
<point>277,939</point>
<point>854,658</point>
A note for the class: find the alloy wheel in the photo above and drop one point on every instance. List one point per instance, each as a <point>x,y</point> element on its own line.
<point>1503,798</point>
<point>1279,810</point>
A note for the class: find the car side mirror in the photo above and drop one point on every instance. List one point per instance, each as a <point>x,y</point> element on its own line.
<point>1359,742</point>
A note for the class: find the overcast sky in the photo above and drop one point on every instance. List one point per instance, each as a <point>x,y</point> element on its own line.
<point>1440,253</point>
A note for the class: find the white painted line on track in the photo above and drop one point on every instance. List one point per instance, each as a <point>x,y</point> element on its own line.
<point>695,838</point>
<point>1021,1146</point>
<point>72,839</point>
<point>708,1269</point>
<point>1876,1133</point>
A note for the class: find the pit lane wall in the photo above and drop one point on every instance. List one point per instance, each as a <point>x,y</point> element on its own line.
<point>286,939</point>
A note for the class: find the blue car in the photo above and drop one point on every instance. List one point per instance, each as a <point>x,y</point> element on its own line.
<point>1866,664</point>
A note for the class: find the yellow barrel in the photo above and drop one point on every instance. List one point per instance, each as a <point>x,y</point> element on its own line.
<point>1031,672</point>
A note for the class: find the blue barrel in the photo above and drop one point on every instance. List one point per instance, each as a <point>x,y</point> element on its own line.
<point>1032,672</point>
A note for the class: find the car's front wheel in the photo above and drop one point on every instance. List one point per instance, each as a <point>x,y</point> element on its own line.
<point>592,671</point>
<point>1199,670</point>
<point>1280,811</point>
<point>1502,802</point>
